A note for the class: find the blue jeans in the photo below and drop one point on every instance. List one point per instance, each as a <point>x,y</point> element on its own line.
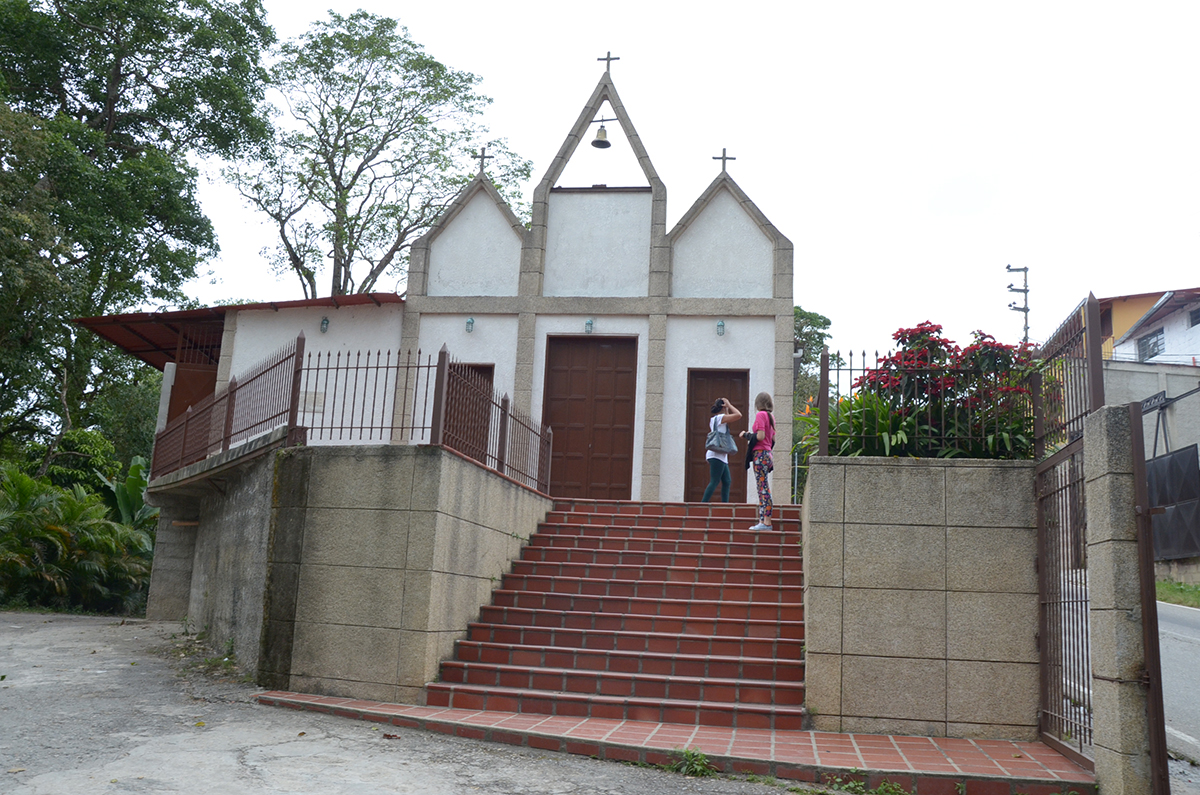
<point>718,472</point>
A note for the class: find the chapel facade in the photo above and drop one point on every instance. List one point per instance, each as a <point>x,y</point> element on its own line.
<point>618,333</point>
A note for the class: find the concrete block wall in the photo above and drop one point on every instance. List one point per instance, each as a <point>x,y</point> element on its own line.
<point>380,556</point>
<point>1120,730</point>
<point>921,597</point>
<point>174,551</point>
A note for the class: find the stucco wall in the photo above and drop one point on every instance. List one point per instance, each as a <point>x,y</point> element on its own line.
<point>1126,382</point>
<point>380,557</point>
<point>229,567</point>
<point>921,598</point>
<point>351,328</point>
<point>723,253</point>
<point>692,342</point>
<point>598,244</point>
<point>477,253</point>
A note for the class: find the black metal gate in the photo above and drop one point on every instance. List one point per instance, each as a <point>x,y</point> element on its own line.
<point>1173,481</point>
<point>1069,386</point>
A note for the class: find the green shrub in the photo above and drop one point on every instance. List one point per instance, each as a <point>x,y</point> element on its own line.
<point>59,549</point>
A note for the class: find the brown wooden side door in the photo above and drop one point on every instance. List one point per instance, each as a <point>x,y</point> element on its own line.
<point>589,401</point>
<point>704,387</point>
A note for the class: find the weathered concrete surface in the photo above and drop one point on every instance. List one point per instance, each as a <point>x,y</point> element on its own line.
<point>89,705</point>
<point>921,597</point>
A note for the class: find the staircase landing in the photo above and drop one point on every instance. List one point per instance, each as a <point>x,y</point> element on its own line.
<point>925,765</point>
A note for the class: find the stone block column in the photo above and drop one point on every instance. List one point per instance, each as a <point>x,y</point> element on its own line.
<point>1121,737</point>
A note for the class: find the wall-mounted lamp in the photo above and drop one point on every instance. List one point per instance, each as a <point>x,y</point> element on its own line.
<point>470,324</point>
<point>324,324</point>
<point>720,328</point>
<point>587,326</point>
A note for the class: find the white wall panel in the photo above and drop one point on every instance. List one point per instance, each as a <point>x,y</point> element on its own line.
<point>722,254</point>
<point>598,244</point>
<point>478,253</point>
<point>692,342</point>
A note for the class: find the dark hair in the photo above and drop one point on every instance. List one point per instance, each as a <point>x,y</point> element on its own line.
<point>718,407</point>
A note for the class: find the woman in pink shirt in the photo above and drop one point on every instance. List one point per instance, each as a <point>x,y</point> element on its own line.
<point>761,438</point>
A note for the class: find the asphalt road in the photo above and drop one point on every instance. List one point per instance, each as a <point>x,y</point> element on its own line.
<point>95,705</point>
<point>1179,644</point>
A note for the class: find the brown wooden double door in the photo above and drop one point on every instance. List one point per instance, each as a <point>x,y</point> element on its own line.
<point>589,401</point>
<point>704,387</point>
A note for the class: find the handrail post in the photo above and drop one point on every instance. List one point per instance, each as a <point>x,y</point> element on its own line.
<point>438,420</point>
<point>823,404</point>
<point>547,450</point>
<point>230,396</point>
<point>187,418</point>
<point>502,441</point>
<point>294,436</point>
<point>1095,363</point>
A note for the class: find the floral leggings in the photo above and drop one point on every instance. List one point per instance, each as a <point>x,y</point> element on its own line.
<point>764,485</point>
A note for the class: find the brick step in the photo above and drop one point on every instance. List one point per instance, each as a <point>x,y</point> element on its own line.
<point>718,535</point>
<point>703,666</point>
<point>652,590</point>
<point>665,635</point>
<point>722,510</point>
<point>562,538</point>
<point>624,685</point>
<point>615,612</point>
<point>639,558</point>
<point>706,575</point>
<point>546,702</point>
<point>669,522</point>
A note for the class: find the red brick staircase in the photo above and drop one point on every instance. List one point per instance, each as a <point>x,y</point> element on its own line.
<point>663,612</point>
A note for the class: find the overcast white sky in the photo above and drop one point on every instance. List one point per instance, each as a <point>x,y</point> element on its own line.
<point>909,150</point>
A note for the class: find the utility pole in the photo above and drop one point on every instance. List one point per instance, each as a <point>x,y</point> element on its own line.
<point>1023,289</point>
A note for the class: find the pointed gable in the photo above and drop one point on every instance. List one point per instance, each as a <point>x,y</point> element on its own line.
<point>473,249</point>
<point>598,241</point>
<point>724,247</point>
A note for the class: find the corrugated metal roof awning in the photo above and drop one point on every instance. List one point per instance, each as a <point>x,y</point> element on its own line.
<point>154,337</point>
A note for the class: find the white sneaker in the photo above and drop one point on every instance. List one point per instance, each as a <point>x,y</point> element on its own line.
<point>761,526</point>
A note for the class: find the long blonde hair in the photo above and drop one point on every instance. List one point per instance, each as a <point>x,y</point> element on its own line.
<point>764,403</point>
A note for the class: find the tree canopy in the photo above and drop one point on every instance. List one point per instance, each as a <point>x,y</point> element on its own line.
<point>376,140</point>
<point>809,333</point>
<point>101,103</point>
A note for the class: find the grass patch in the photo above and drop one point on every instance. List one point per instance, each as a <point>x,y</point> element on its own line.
<point>1177,593</point>
<point>692,762</point>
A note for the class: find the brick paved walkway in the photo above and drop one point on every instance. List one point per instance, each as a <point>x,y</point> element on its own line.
<point>926,765</point>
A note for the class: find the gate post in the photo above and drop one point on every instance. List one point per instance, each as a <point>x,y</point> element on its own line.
<point>1123,682</point>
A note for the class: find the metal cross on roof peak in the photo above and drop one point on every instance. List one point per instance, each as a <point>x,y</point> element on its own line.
<point>483,156</point>
<point>608,59</point>
<point>723,158</point>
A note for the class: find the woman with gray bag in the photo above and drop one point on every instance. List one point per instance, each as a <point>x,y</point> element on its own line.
<point>719,445</point>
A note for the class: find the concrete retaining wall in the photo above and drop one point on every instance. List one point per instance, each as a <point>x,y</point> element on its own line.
<point>380,556</point>
<point>921,597</point>
<point>343,571</point>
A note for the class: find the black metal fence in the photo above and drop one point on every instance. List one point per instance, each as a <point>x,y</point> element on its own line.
<point>890,406</point>
<point>364,397</point>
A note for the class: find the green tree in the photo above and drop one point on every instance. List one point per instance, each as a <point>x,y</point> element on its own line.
<point>377,141</point>
<point>103,103</point>
<point>809,334</point>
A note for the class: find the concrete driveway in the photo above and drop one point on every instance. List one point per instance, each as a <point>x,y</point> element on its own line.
<point>94,705</point>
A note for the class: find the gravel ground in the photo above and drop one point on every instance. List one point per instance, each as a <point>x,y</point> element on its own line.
<point>100,705</point>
